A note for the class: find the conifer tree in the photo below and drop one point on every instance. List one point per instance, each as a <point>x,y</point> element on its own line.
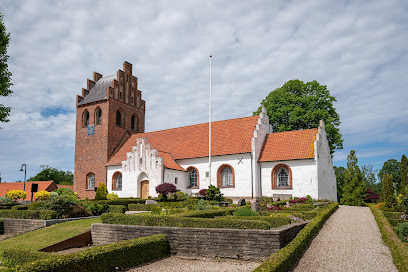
<point>388,191</point>
<point>404,175</point>
<point>101,192</point>
<point>354,187</point>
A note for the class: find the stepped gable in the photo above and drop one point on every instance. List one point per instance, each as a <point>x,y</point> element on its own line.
<point>228,137</point>
<point>289,145</point>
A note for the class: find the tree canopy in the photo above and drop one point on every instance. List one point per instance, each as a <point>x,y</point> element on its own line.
<point>392,167</point>
<point>58,176</point>
<point>404,175</point>
<point>5,75</point>
<point>354,187</point>
<point>299,105</point>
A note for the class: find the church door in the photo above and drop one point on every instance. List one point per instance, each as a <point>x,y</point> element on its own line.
<point>145,189</point>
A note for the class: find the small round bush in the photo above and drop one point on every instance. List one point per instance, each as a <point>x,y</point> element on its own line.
<point>201,193</point>
<point>41,195</point>
<point>402,231</point>
<point>165,189</point>
<point>112,196</point>
<point>5,200</point>
<point>16,194</point>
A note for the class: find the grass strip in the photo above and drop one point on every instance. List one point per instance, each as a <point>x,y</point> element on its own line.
<point>285,258</point>
<point>399,250</point>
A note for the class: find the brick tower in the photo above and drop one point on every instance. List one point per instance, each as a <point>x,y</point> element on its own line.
<point>108,112</point>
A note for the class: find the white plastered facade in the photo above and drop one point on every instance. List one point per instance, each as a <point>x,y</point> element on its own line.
<point>314,177</point>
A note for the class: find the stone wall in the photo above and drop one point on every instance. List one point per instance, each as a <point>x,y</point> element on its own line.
<point>227,243</point>
<point>18,226</point>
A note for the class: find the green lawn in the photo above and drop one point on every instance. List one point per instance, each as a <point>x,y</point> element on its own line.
<point>47,236</point>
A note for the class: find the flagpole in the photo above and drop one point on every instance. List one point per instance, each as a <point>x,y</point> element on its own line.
<point>209,125</point>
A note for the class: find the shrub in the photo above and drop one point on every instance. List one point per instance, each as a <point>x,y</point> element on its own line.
<point>1,227</point>
<point>120,201</point>
<point>274,208</point>
<point>371,196</point>
<point>299,200</point>
<point>245,212</point>
<point>380,206</point>
<point>112,196</point>
<point>208,213</point>
<point>41,195</point>
<point>5,200</point>
<point>20,207</point>
<point>16,194</point>
<point>201,205</point>
<point>53,194</point>
<point>275,220</point>
<point>165,189</point>
<point>62,204</point>
<point>111,257</point>
<point>388,191</point>
<point>13,256</point>
<point>201,193</point>
<point>404,205</point>
<point>179,221</point>
<point>141,207</point>
<point>117,208</point>
<point>65,191</point>
<point>78,211</point>
<point>214,193</point>
<point>402,231</point>
<point>28,214</point>
<point>101,192</point>
<point>95,208</point>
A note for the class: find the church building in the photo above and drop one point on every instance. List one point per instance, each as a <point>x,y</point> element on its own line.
<point>249,160</point>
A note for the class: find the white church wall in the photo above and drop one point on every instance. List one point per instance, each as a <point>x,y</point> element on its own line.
<point>326,175</point>
<point>170,176</point>
<point>304,178</point>
<point>241,164</point>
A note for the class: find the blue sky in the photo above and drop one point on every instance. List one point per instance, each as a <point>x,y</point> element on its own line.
<point>357,48</point>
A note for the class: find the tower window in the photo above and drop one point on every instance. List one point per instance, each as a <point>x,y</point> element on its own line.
<point>98,116</point>
<point>85,118</point>
<point>133,123</point>
<point>91,181</point>
<point>120,118</point>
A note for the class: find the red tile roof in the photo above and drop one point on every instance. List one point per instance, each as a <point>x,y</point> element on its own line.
<point>169,162</point>
<point>289,145</point>
<point>42,186</point>
<point>228,137</point>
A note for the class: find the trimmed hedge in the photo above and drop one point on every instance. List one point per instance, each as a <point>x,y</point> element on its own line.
<point>274,221</point>
<point>29,214</point>
<point>141,207</point>
<point>1,227</point>
<point>111,257</point>
<point>13,256</point>
<point>399,250</point>
<point>120,201</point>
<point>117,208</point>
<point>208,213</point>
<point>285,258</point>
<point>187,222</point>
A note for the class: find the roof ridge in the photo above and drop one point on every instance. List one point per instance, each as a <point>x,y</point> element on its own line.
<point>289,131</point>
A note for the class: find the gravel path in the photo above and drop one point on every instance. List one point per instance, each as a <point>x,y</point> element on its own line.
<point>180,264</point>
<point>349,241</point>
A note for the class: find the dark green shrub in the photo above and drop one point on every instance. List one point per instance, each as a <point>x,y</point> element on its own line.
<point>141,207</point>
<point>65,191</point>
<point>214,193</point>
<point>29,214</point>
<point>20,207</point>
<point>165,189</point>
<point>175,221</point>
<point>117,208</point>
<point>62,204</point>
<point>119,201</point>
<point>111,257</point>
<point>201,205</point>
<point>245,212</point>
<point>78,211</point>
<point>1,227</point>
<point>95,208</point>
<point>13,257</point>
<point>101,192</point>
<point>274,221</point>
<point>35,205</point>
<point>208,213</point>
<point>5,200</point>
<point>402,231</point>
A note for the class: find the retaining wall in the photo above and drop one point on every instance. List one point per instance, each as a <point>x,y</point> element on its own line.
<point>226,243</point>
<point>18,226</point>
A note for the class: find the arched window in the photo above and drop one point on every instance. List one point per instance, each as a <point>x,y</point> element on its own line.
<point>193,177</point>
<point>98,116</point>
<point>225,176</point>
<point>281,177</point>
<point>117,181</point>
<point>85,118</point>
<point>133,123</point>
<point>91,181</point>
<point>120,122</point>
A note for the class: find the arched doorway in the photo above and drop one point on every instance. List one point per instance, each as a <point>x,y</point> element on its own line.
<point>143,182</point>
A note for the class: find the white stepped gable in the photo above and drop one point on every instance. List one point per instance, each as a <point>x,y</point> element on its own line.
<point>143,157</point>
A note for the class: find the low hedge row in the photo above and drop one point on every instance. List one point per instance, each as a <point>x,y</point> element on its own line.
<point>141,207</point>
<point>121,201</point>
<point>117,208</point>
<point>285,258</point>
<point>29,214</point>
<point>399,250</point>
<point>274,221</point>
<point>208,213</point>
<point>13,256</point>
<point>1,227</point>
<point>112,257</point>
<point>175,221</point>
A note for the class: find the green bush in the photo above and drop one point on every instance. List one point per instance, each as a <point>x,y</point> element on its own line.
<point>141,207</point>
<point>29,214</point>
<point>285,258</point>
<point>13,256</point>
<point>95,208</point>
<point>112,257</point>
<point>20,207</point>
<point>402,231</point>
<point>1,227</point>
<point>5,200</point>
<point>62,204</point>
<point>274,221</point>
<point>174,221</point>
<point>245,212</point>
<point>214,193</point>
<point>120,201</point>
<point>101,192</point>
<point>117,208</point>
<point>208,213</point>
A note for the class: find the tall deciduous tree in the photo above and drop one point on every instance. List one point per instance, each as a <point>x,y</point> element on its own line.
<point>354,187</point>
<point>339,171</point>
<point>58,176</point>
<point>5,75</point>
<point>370,177</point>
<point>404,175</point>
<point>298,105</point>
<point>392,167</point>
<point>388,191</point>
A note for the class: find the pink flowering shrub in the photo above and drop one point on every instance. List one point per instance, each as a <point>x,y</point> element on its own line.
<point>201,193</point>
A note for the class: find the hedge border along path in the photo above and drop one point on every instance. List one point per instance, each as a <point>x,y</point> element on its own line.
<point>399,250</point>
<point>285,258</point>
<point>111,257</point>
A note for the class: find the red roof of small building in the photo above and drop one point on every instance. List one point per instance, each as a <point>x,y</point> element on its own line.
<point>169,162</point>
<point>289,145</point>
<point>42,186</point>
<point>227,137</point>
